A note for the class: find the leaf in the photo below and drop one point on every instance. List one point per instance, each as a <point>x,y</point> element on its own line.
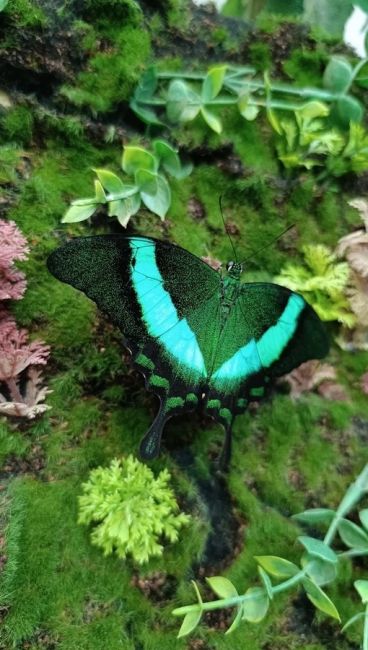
<point>319,571</point>
<point>170,160</point>
<point>223,587</point>
<point>277,566</point>
<point>183,104</point>
<point>255,609</point>
<point>353,620</point>
<point>145,113</point>
<point>266,582</point>
<point>318,549</point>
<point>125,208</point>
<point>189,623</point>
<point>352,535</point>
<point>99,193</point>
<point>315,516</point>
<point>247,110</point>
<point>319,599</point>
<point>135,158</point>
<point>147,85</point>
<point>111,182</point>
<point>236,621</point>
<point>349,110</point>
<point>363,516</point>
<point>338,75</point>
<point>362,588</point>
<point>3,4</point>
<point>212,120</point>
<point>213,82</point>
<point>313,109</point>
<point>155,192</point>
<point>78,213</point>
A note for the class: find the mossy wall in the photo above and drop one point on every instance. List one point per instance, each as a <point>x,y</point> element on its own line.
<point>70,76</point>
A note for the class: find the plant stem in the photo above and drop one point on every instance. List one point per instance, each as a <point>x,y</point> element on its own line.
<point>365,633</point>
<point>353,494</point>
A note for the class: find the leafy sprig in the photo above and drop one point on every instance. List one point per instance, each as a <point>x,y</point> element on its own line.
<point>179,97</point>
<point>146,183</point>
<point>318,567</point>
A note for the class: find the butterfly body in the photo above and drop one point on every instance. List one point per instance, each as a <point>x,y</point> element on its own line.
<point>197,336</point>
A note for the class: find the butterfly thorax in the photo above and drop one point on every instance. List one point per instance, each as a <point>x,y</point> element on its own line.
<point>230,287</point>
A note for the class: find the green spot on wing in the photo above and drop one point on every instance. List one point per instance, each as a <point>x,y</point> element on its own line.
<point>160,382</point>
<point>213,404</point>
<point>226,414</point>
<point>144,361</point>
<point>174,402</point>
<point>257,391</point>
<point>242,402</point>
<point>191,397</point>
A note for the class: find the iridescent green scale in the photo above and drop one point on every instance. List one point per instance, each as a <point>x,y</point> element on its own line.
<point>198,337</point>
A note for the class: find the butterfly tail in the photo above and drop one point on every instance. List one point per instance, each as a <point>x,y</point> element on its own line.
<point>151,443</point>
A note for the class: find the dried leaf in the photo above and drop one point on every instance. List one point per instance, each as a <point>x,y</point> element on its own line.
<point>314,375</point>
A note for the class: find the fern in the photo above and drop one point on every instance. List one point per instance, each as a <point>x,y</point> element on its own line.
<point>322,282</point>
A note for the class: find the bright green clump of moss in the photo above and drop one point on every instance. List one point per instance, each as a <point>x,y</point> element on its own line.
<point>133,508</point>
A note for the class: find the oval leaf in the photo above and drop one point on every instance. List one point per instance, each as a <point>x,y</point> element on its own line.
<point>213,82</point>
<point>315,516</point>
<point>99,193</point>
<point>135,158</point>
<point>349,110</point>
<point>168,157</point>
<point>319,599</point>
<point>125,208</point>
<point>111,182</point>
<point>266,582</point>
<point>255,608</point>
<point>338,75</point>
<point>352,535</point>
<point>277,566</point>
<point>320,571</point>
<point>222,587</point>
<point>363,516</point>
<point>212,120</point>
<point>182,103</point>
<point>362,588</point>
<point>78,213</point>
<point>155,192</point>
<point>236,621</point>
<point>318,549</point>
<point>190,622</point>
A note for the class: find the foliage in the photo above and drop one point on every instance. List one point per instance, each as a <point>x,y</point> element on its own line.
<point>322,282</point>
<point>190,94</point>
<point>13,246</point>
<point>133,509</point>
<point>319,566</point>
<point>309,141</point>
<point>146,186</point>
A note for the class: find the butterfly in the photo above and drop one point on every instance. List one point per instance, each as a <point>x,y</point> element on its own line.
<point>197,335</point>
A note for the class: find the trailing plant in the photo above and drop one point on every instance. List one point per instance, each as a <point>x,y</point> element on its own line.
<point>308,141</point>
<point>146,184</point>
<point>132,509</point>
<point>179,97</point>
<point>323,282</point>
<point>319,565</point>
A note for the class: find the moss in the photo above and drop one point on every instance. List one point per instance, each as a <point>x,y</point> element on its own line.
<point>17,125</point>
<point>25,13</point>
<point>112,75</point>
<point>306,67</point>
<point>103,10</point>
<point>260,56</point>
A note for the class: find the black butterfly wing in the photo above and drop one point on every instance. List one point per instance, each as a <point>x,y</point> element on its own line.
<point>270,331</point>
<point>153,291</point>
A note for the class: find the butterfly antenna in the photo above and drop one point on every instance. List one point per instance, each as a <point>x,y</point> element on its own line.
<point>228,234</point>
<point>259,250</point>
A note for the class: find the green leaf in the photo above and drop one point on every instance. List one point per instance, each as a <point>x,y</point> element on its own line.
<point>363,516</point>
<point>313,109</point>
<point>255,609</point>
<point>353,620</point>
<point>277,566</point>
<point>266,582</point>
<point>111,182</point>
<point>135,158</point>
<point>236,621</point>
<point>212,120</point>
<point>3,4</point>
<point>338,75</point>
<point>348,110</point>
<point>223,587</point>
<point>315,516</point>
<point>213,82</point>
<point>318,549</point>
<point>320,571</point>
<point>80,212</point>
<point>352,535</point>
<point>145,113</point>
<point>319,599</point>
<point>155,192</point>
<point>247,110</point>
<point>362,588</point>
<point>125,208</point>
<point>170,160</point>
<point>99,193</point>
<point>189,623</point>
<point>183,104</point>
<point>147,85</point>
